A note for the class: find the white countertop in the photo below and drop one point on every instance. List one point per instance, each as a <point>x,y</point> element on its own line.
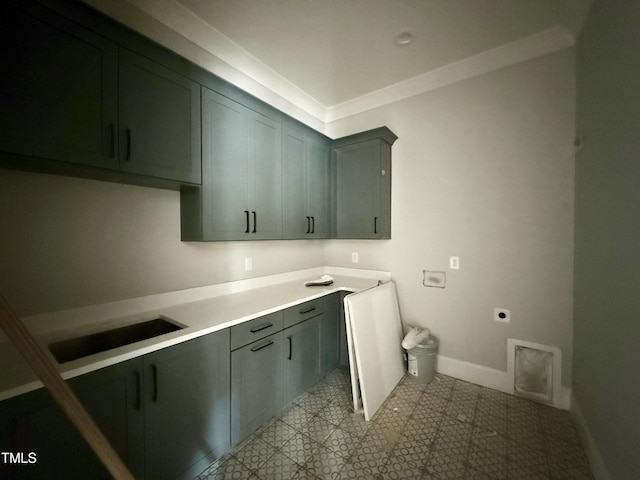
<point>215,308</point>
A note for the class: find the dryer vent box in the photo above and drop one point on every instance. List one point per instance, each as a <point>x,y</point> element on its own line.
<point>535,370</point>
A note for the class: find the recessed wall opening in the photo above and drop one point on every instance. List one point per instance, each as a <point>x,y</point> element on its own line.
<point>535,371</point>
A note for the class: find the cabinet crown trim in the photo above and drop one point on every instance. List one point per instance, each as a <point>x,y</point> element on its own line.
<point>382,133</point>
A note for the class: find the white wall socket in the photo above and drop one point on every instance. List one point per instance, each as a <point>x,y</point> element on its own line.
<point>354,257</point>
<point>454,263</point>
<point>502,315</point>
<point>248,264</point>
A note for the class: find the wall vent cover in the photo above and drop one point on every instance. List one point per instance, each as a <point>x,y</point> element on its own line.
<point>535,371</point>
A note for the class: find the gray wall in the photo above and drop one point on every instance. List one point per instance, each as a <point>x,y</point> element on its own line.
<point>71,242</point>
<point>482,169</point>
<point>606,380</point>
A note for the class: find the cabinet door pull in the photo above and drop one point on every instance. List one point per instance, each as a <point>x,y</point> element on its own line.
<point>261,327</point>
<point>375,224</point>
<point>290,348</point>
<point>313,224</point>
<point>138,405</point>
<point>112,140</point>
<point>308,224</point>
<point>246,212</point>
<point>307,310</point>
<point>154,373</point>
<point>127,157</point>
<point>255,221</point>
<point>260,347</point>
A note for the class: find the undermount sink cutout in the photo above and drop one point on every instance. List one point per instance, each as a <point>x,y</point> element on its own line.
<point>74,348</point>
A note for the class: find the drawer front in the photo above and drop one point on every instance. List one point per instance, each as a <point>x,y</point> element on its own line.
<point>303,312</point>
<point>255,329</point>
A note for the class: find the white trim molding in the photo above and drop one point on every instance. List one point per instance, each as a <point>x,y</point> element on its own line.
<point>489,377</point>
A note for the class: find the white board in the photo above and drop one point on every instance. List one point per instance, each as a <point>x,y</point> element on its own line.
<point>373,318</point>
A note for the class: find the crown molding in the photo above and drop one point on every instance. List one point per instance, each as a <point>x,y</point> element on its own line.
<point>543,43</point>
<point>177,28</point>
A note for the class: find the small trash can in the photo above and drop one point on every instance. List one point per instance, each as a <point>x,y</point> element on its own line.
<point>422,360</point>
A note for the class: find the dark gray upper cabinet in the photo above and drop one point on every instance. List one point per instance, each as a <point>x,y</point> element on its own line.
<point>159,120</point>
<point>306,184</point>
<point>58,89</point>
<point>72,99</point>
<point>241,196</point>
<point>362,176</point>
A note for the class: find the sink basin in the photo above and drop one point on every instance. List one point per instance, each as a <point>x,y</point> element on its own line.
<point>74,348</point>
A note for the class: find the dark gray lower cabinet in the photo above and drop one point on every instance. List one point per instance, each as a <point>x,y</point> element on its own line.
<point>256,385</point>
<point>330,334</point>
<point>45,445</point>
<point>186,410</point>
<point>302,357</point>
<point>166,414</point>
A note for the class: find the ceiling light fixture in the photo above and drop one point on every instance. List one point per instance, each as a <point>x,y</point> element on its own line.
<point>404,39</point>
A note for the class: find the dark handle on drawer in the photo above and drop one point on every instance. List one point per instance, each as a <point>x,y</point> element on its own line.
<point>128,135</point>
<point>307,310</point>
<point>246,213</point>
<point>112,140</point>
<point>375,224</point>
<point>261,327</point>
<point>308,224</point>
<point>255,221</point>
<point>255,349</point>
<point>154,373</point>
<point>290,348</point>
<point>138,392</point>
<point>313,224</point>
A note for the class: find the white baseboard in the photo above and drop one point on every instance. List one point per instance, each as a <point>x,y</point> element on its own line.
<point>487,377</point>
<point>598,467</point>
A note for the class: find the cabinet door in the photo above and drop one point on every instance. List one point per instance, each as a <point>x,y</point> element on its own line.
<point>318,189</point>
<point>302,357</point>
<point>159,120</point>
<point>358,190</point>
<point>225,168</point>
<point>113,397</point>
<point>265,177</point>
<point>256,385</point>
<point>306,193</point>
<point>58,89</point>
<point>330,332</point>
<point>33,426</point>
<point>187,406</point>
<point>296,221</point>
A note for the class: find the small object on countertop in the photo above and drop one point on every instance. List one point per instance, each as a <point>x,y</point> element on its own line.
<point>322,281</point>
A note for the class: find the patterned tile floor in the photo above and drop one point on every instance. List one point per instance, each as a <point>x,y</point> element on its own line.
<point>448,429</point>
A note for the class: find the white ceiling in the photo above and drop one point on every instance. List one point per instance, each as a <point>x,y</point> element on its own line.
<point>338,50</point>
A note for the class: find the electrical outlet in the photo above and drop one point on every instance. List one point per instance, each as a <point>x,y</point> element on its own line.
<point>354,257</point>
<point>502,315</point>
<point>454,263</point>
<point>248,264</point>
